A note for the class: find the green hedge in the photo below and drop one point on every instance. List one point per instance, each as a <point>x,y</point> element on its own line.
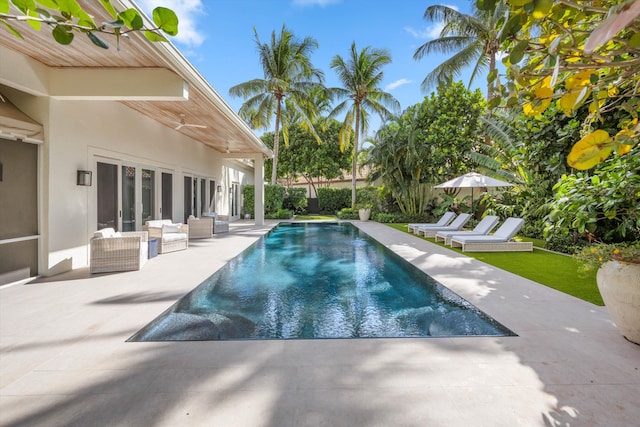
<point>273,197</point>
<point>248,195</point>
<point>331,200</point>
<point>296,200</point>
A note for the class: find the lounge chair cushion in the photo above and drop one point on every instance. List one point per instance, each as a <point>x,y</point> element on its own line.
<point>506,232</point>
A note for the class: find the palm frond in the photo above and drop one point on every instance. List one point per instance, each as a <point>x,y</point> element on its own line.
<point>452,67</point>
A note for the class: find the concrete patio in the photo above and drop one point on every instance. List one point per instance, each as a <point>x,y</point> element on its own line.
<point>64,360</point>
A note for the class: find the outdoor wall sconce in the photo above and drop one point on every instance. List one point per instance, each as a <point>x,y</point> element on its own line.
<point>84,178</point>
<point>219,188</point>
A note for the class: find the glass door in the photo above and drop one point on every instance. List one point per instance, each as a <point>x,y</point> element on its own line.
<point>188,197</point>
<point>148,195</point>
<point>203,197</point>
<point>212,196</point>
<point>107,195</point>
<point>128,198</point>
<point>235,211</point>
<point>167,196</point>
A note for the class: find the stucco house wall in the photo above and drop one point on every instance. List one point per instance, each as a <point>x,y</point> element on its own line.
<point>79,134</point>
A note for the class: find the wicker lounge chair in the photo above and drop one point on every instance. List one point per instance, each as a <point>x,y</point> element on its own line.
<point>500,241</point>
<point>484,227</point>
<point>445,219</point>
<point>220,222</point>
<point>457,224</point>
<point>200,228</point>
<point>171,237</point>
<point>113,251</point>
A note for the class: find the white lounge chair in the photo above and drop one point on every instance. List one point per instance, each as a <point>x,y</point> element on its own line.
<point>484,227</point>
<point>497,242</point>
<point>445,219</point>
<point>457,224</point>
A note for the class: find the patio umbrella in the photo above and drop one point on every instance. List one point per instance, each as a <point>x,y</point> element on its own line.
<point>473,180</point>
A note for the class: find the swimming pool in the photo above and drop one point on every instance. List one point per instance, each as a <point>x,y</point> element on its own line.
<point>318,280</point>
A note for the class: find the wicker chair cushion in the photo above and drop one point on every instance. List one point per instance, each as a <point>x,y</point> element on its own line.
<point>105,232</point>
<point>171,228</point>
<point>158,222</point>
<point>173,237</point>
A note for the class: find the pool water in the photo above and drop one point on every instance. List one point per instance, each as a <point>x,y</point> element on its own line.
<point>318,280</point>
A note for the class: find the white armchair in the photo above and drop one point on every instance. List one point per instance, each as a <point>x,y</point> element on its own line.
<point>171,237</point>
<point>200,228</point>
<point>116,251</point>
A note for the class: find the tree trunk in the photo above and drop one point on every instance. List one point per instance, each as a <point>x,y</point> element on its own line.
<point>492,66</point>
<point>276,140</point>
<point>490,89</point>
<point>354,167</point>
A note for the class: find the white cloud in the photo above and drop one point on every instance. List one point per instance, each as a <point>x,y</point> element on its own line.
<point>396,84</point>
<point>188,11</point>
<point>321,3</point>
<point>431,31</point>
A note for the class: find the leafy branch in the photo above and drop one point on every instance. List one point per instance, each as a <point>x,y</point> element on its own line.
<point>548,60</point>
<point>66,18</point>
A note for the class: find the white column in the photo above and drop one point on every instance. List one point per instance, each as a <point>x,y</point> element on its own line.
<point>258,179</point>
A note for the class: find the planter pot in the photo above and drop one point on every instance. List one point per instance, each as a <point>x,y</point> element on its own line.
<point>619,285</point>
<point>364,214</point>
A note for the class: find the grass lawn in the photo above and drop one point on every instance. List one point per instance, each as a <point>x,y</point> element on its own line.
<point>315,217</point>
<point>554,270</point>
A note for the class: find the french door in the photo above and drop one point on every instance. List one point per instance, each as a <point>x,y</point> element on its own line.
<point>127,195</point>
<point>195,196</point>
<point>235,199</point>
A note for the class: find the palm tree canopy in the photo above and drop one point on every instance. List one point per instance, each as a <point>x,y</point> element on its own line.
<point>360,75</point>
<point>473,39</point>
<point>288,73</point>
<point>288,76</point>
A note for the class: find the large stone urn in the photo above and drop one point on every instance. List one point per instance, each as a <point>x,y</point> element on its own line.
<point>619,285</point>
<point>364,214</point>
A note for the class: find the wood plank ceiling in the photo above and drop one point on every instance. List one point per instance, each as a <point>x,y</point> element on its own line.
<point>221,133</point>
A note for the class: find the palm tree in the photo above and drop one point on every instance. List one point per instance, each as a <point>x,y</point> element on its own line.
<point>360,76</point>
<point>288,74</point>
<point>474,40</point>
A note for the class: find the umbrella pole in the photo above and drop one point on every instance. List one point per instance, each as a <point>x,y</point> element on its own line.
<point>472,202</point>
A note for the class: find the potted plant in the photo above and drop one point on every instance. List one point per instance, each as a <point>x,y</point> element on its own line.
<point>364,211</point>
<point>618,279</point>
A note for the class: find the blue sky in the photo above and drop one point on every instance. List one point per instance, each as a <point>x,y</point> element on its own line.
<point>217,37</point>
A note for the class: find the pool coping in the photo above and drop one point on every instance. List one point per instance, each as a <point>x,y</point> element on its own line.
<point>64,359</point>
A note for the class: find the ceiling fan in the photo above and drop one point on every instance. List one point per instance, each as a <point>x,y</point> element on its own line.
<point>182,123</point>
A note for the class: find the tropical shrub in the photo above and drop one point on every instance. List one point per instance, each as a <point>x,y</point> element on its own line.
<point>295,200</point>
<point>348,213</point>
<point>383,217</point>
<point>428,144</point>
<point>603,206</point>
<point>280,214</point>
